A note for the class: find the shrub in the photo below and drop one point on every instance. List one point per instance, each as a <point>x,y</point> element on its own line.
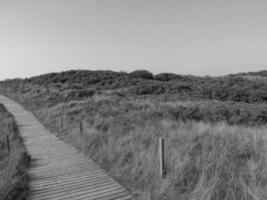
<point>166,77</point>
<point>74,94</point>
<point>148,88</point>
<point>141,74</point>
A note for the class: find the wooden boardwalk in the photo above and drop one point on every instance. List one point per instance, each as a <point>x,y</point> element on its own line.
<point>58,171</point>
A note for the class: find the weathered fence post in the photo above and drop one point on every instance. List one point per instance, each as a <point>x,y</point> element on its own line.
<point>7,143</point>
<point>162,158</point>
<point>81,129</point>
<point>61,123</point>
<point>8,134</point>
<point>8,127</point>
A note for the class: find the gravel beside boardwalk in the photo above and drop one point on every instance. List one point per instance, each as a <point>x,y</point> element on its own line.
<point>58,171</point>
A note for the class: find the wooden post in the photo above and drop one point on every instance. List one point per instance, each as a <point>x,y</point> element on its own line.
<point>161,158</point>
<point>81,129</point>
<point>8,134</point>
<point>61,123</point>
<point>8,144</point>
<point>8,127</point>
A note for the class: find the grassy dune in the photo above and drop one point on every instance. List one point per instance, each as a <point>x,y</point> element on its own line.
<point>203,160</point>
<point>211,161</point>
<point>13,176</point>
<point>215,150</point>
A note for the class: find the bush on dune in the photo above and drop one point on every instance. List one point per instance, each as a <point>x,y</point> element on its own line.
<point>141,74</point>
<point>228,88</point>
<point>78,94</point>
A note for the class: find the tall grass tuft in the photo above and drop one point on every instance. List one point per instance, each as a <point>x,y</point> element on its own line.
<point>13,164</point>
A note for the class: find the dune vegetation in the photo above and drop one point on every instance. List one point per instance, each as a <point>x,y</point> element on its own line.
<point>13,160</point>
<point>214,128</point>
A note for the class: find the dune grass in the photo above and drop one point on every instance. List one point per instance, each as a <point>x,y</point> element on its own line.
<point>13,164</point>
<point>209,160</point>
<point>203,160</point>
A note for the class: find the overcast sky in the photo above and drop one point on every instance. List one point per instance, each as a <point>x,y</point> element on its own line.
<point>200,37</point>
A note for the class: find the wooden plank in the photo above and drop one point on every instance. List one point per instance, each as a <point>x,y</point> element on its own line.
<point>94,194</point>
<point>63,171</point>
<point>104,196</point>
<point>71,188</point>
<point>44,181</point>
<point>83,181</point>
